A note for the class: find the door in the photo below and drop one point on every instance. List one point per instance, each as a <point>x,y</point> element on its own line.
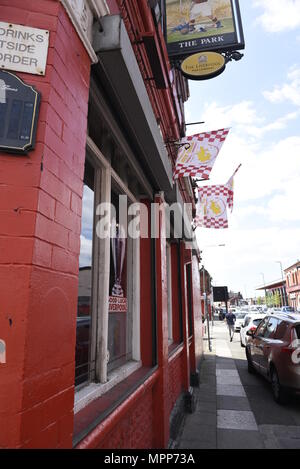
<point>267,343</point>
<point>256,343</point>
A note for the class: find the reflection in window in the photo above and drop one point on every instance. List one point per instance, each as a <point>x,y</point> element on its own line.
<point>169,289</point>
<point>119,316</point>
<point>84,314</point>
<point>189,298</point>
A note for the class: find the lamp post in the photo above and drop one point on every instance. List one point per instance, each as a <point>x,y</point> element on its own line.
<point>282,277</point>
<point>264,286</point>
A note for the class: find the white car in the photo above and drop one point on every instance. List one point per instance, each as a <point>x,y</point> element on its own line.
<point>251,321</point>
<point>240,316</point>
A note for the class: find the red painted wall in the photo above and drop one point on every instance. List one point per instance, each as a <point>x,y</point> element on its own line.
<point>39,233</point>
<point>175,379</point>
<point>40,219</point>
<point>135,430</point>
<point>198,335</point>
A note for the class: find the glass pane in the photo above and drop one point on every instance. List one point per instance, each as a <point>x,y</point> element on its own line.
<point>271,328</point>
<point>169,288</point>
<point>84,310</point>
<point>118,315</point>
<point>189,298</point>
<point>281,330</point>
<point>261,328</point>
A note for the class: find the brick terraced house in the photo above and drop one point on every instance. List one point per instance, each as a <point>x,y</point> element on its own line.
<point>101,338</point>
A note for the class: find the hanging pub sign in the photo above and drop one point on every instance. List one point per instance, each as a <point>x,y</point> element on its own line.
<point>203,66</point>
<point>202,25</point>
<point>19,106</point>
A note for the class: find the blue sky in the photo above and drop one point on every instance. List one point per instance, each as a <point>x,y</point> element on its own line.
<point>259,98</point>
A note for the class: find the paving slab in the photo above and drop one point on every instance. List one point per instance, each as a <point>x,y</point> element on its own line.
<point>226,366</point>
<point>233,403</point>
<point>205,417</point>
<point>225,372</point>
<point>236,439</point>
<point>200,433</point>
<point>206,406</point>
<point>230,390</point>
<point>228,379</point>
<point>236,420</point>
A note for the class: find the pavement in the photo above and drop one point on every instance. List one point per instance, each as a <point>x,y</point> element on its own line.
<point>236,410</point>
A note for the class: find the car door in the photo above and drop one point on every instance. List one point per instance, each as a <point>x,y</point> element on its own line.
<point>256,343</point>
<point>266,344</point>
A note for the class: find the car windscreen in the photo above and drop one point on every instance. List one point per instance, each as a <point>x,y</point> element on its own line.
<point>240,315</point>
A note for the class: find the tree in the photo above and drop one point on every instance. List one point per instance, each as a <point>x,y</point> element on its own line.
<point>276,299</point>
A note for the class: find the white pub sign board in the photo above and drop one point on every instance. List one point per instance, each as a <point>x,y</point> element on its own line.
<point>23,49</point>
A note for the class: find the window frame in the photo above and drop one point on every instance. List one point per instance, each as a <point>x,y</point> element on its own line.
<point>169,291</point>
<point>100,381</point>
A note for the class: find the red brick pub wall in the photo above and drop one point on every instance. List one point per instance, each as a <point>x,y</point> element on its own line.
<point>40,217</point>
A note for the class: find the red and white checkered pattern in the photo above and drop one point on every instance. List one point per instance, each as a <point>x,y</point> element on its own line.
<point>211,223</point>
<point>230,186</point>
<point>188,163</point>
<point>205,217</point>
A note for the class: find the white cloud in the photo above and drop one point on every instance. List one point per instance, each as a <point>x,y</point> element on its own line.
<point>266,197</point>
<point>247,254</point>
<point>242,117</point>
<point>85,258</point>
<point>278,15</point>
<point>285,206</point>
<point>289,91</point>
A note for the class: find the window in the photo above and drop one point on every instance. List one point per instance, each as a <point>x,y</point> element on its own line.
<point>261,327</point>
<point>270,329</point>
<point>169,289</point>
<point>281,330</point>
<point>157,7</point>
<point>120,307</point>
<point>84,305</point>
<point>189,298</point>
<point>108,324</point>
<point>247,321</point>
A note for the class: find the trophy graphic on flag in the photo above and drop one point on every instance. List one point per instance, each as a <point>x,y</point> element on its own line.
<point>118,243</point>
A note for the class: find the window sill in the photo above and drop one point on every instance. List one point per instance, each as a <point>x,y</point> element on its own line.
<point>175,349</point>
<point>89,393</point>
<point>94,413</point>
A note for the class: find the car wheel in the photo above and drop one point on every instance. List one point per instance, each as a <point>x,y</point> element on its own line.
<point>251,368</point>
<point>279,392</point>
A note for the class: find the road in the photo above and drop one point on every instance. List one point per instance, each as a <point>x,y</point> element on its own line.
<point>279,425</point>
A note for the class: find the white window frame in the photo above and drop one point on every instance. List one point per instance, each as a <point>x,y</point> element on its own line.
<point>104,176</point>
<point>169,290</point>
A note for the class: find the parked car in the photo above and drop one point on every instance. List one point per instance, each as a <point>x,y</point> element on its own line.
<point>251,322</point>
<point>274,310</point>
<point>273,350</point>
<point>240,316</point>
<point>287,309</point>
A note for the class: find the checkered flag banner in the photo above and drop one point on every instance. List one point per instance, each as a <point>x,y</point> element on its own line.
<point>230,187</point>
<point>199,158</point>
<point>212,207</point>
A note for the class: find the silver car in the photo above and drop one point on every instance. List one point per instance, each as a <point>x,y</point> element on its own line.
<point>274,351</point>
<point>240,316</point>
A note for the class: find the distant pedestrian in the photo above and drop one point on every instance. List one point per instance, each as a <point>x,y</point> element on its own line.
<point>230,319</point>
